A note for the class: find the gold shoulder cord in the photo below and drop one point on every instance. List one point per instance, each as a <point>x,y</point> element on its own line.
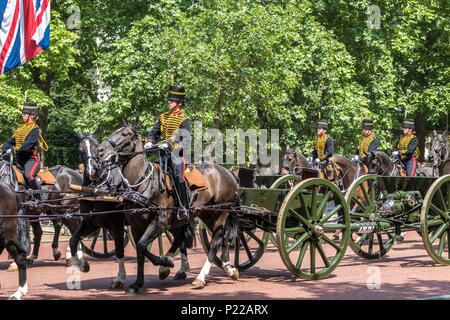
<point>45,146</point>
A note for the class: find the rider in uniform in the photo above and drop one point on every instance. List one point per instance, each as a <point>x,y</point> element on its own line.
<point>175,129</point>
<point>367,143</point>
<point>24,145</point>
<point>323,145</point>
<point>408,149</point>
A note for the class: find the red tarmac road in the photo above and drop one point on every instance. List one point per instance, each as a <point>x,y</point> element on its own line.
<point>406,272</point>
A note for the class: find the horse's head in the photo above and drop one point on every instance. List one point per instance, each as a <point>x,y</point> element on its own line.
<point>125,139</point>
<point>438,148</point>
<point>292,160</point>
<point>88,154</point>
<point>373,163</point>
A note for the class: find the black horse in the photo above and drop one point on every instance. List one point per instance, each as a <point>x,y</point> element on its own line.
<point>439,153</point>
<point>14,232</point>
<point>101,178</point>
<point>147,184</point>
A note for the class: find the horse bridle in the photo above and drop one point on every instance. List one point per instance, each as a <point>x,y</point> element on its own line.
<point>292,168</point>
<point>127,142</point>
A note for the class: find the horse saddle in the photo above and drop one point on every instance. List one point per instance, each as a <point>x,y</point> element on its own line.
<point>45,176</point>
<point>193,176</point>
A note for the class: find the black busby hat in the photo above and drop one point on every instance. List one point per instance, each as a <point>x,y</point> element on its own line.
<point>176,93</point>
<point>31,108</point>
<point>367,124</point>
<point>408,123</point>
<point>322,123</point>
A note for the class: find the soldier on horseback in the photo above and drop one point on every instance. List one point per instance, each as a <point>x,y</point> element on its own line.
<point>408,148</point>
<point>24,143</point>
<point>175,128</point>
<point>323,145</point>
<point>367,143</point>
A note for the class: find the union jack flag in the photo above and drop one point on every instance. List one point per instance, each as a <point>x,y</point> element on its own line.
<point>24,31</point>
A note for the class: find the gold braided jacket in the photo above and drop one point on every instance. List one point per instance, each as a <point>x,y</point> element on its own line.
<point>319,145</point>
<point>21,134</point>
<point>364,144</point>
<point>170,123</point>
<point>403,146</point>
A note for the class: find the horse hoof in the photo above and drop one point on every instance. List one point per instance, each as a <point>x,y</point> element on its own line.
<point>169,262</point>
<point>12,268</point>
<point>13,298</point>
<point>132,291</point>
<point>57,255</point>
<point>180,276</point>
<point>199,283</point>
<point>85,267</point>
<point>30,261</point>
<point>116,285</point>
<point>164,274</point>
<point>68,262</point>
<point>235,275</point>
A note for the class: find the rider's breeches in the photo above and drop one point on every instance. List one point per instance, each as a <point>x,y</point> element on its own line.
<point>178,164</point>
<point>410,165</point>
<point>30,164</point>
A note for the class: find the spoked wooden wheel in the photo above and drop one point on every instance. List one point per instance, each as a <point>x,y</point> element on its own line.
<point>160,240</point>
<point>245,250</point>
<point>310,213</point>
<point>435,220</point>
<point>362,197</point>
<point>99,245</point>
<point>285,182</point>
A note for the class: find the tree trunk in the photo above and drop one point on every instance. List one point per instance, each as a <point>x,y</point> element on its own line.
<point>419,123</point>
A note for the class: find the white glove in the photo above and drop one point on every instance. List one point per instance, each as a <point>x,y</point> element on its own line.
<point>395,153</point>
<point>355,158</point>
<point>317,160</point>
<point>148,145</point>
<point>8,151</point>
<point>163,146</point>
<point>309,159</point>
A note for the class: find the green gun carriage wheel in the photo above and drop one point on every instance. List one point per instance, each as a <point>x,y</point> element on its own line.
<point>308,213</point>
<point>245,250</point>
<point>284,182</point>
<point>435,220</point>
<point>361,198</point>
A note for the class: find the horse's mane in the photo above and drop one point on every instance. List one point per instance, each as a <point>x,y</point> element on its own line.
<point>340,159</point>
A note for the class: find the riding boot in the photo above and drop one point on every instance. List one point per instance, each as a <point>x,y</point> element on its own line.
<point>36,185</point>
<point>184,205</point>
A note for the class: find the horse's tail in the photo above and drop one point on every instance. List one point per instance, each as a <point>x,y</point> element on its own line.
<point>23,230</point>
<point>232,223</point>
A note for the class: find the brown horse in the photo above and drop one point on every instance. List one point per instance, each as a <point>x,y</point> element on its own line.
<point>293,160</point>
<point>14,232</point>
<point>439,153</point>
<point>142,177</point>
<point>379,163</point>
<point>341,171</point>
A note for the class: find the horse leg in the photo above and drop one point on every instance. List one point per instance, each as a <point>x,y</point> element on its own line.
<point>216,241</point>
<point>57,224</point>
<point>178,242</point>
<point>37,236</point>
<point>150,234</point>
<point>19,256</point>
<point>74,243</point>
<point>233,273</point>
<point>119,280</point>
